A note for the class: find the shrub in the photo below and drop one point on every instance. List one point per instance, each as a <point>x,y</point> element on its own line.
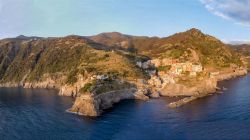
<point>87,88</point>
<point>176,53</point>
<point>90,69</point>
<point>71,78</point>
<point>164,68</point>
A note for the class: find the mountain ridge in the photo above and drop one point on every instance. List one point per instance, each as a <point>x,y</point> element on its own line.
<point>183,46</point>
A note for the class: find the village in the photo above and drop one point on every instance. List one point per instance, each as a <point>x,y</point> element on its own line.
<point>165,71</point>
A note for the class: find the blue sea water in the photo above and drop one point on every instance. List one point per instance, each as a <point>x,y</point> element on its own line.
<point>40,114</point>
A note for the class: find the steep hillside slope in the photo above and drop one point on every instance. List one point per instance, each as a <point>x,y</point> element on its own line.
<point>61,60</point>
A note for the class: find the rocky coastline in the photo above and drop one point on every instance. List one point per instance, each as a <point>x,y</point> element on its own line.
<point>99,71</point>
<point>206,88</point>
<point>94,105</point>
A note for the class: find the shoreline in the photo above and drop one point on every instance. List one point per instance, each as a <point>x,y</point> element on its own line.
<point>94,105</point>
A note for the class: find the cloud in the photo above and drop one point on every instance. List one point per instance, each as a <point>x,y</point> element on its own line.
<point>236,10</point>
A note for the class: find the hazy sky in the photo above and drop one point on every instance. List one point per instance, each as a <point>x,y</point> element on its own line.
<point>225,19</point>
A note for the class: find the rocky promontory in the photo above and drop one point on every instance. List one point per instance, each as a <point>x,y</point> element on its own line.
<point>93,105</point>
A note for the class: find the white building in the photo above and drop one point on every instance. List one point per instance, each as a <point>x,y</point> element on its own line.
<point>197,68</point>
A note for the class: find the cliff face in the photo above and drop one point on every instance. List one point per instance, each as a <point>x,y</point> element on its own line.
<point>230,75</point>
<point>205,87</point>
<point>93,105</point>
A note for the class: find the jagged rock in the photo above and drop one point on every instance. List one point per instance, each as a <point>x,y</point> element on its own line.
<point>155,94</point>
<point>86,105</point>
<point>155,81</point>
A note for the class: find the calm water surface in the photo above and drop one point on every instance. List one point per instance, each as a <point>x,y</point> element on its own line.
<point>40,114</point>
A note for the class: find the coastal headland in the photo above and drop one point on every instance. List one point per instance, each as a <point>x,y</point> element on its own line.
<point>99,71</point>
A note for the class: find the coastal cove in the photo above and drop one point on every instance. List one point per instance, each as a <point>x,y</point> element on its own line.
<point>34,114</point>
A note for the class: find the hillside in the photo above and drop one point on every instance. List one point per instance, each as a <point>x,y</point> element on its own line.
<point>191,45</point>
<point>243,49</point>
<point>62,59</point>
<point>28,59</point>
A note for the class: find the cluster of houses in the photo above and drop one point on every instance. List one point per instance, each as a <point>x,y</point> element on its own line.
<point>99,77</point>
<point>177,68</point>
<point>145,65</point>
<point>161,78</point>
<point>162,81</point>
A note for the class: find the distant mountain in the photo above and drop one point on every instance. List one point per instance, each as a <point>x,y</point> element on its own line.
<point>242,48</point>
<point>239,42</point>
<point>23,37</point>
<point>120,41</point>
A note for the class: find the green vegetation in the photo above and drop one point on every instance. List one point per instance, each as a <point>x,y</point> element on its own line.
<point>210,51</point>
<point>71,77</point>
<point>103,86</point>
<point>164,68</point>
<point>63,58</point>
<point>87,88</point>
<point>243,49</point>
<point>176,53</point>
<point>110,85</point>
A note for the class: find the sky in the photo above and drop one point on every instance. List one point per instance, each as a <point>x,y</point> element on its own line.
<point>228,20</point>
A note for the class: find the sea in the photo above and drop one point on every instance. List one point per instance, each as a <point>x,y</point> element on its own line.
<point>40,114</point>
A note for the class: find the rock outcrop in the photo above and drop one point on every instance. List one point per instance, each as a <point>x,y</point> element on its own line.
<point>230,75</point>
<point>205,88</point>
<point>93,105</point>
